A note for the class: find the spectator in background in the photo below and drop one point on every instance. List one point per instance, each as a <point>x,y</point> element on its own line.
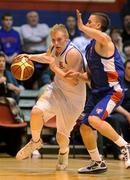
<point>34,36</point>
<point>115,35</point>
<point>9,93</point>
<point>81,42</point>
<point>126,28</point>
<point>9,89</point>
<point>71,26</point>
<point>125,9</point>
<point>10,42</point>
<point>126,49</point>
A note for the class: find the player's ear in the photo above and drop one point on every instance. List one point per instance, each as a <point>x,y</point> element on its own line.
<point>98,25</point>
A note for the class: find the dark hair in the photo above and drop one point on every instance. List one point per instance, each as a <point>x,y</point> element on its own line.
<point>125,64</point>
<point>105,20</point>
<point>2,55</point>
<point>115,30</point>
<point>127,43</point>
<point>7,15</point>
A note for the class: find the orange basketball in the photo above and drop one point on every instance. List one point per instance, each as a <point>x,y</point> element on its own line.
<point>22,68</point>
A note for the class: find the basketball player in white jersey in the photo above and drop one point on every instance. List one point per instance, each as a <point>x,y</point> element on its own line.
<point>64,97</point>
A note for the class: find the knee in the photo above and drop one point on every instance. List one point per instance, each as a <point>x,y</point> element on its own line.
<point>36,112</point>
<point>84,129</point>
<point>58,137</point>
<point>93,121</point>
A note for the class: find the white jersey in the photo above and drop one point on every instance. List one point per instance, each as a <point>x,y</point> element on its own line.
<point>62,99</point>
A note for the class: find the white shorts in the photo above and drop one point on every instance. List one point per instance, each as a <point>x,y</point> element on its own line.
<point>66,109</point>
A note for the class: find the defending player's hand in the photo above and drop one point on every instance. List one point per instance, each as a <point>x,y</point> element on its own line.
<point>79,20</point>
<point>72,74</point>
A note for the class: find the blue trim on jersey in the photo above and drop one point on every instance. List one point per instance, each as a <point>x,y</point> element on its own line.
<point>65,47</point>
<point>73,46</point>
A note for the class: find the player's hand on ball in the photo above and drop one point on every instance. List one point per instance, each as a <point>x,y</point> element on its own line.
<point>20,56</point>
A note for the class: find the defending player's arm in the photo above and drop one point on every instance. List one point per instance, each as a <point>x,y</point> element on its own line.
<point>80,76</point>
<point>74,62</point>
<point>99,36</point>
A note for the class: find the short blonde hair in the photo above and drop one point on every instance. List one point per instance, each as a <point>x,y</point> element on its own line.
<point>60,27</point>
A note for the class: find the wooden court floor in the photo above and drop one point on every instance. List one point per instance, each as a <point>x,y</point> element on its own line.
<point>44,169</point>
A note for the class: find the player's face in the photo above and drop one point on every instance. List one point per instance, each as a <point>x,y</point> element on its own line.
<point>2,63</point>
<point>93,22</point>
<point>59,41</point>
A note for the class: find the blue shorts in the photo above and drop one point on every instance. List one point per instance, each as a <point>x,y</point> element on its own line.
<point>101,104</point>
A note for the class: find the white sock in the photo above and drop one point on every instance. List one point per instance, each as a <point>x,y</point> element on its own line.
<point>120,142</point>
<point>36,135</point>
<point>94,154</point>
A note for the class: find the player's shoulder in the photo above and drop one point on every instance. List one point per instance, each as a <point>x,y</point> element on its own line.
<point>74,51</point>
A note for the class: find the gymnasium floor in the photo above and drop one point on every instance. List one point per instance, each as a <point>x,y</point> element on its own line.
<point>44,169</point>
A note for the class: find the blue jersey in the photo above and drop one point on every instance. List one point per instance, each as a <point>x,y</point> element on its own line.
<point>106,73</point>
<point>10,42</point>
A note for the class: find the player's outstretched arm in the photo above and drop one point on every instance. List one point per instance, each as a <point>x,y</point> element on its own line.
<point>99,36</point>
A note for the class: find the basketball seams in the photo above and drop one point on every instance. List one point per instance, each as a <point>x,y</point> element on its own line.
<point>22,69</point>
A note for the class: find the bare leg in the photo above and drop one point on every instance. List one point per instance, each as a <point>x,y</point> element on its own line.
<point>63,142</point>
<point>104,128</point>
<point>36,123</point>
<point>90,143</point>
<point>36,143</point>
<point>88,137</point>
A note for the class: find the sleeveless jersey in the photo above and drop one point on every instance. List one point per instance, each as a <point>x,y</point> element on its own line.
<point>106,73</point>
<point>78,91</point>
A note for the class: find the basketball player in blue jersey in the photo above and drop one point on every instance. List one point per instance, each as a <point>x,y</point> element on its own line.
<point>63,98</point>
<point>107,75</point>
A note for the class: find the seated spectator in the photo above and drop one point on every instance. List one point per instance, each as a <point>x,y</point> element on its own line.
<point>126,8</point>
<point>126,28</point>
<point>9,89</point>
<point>34,36</point>
<point>71,26</point>
<point>115,34</point>
<point>81,42</point>
<point>10,42</point>
<point>126,49</point>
